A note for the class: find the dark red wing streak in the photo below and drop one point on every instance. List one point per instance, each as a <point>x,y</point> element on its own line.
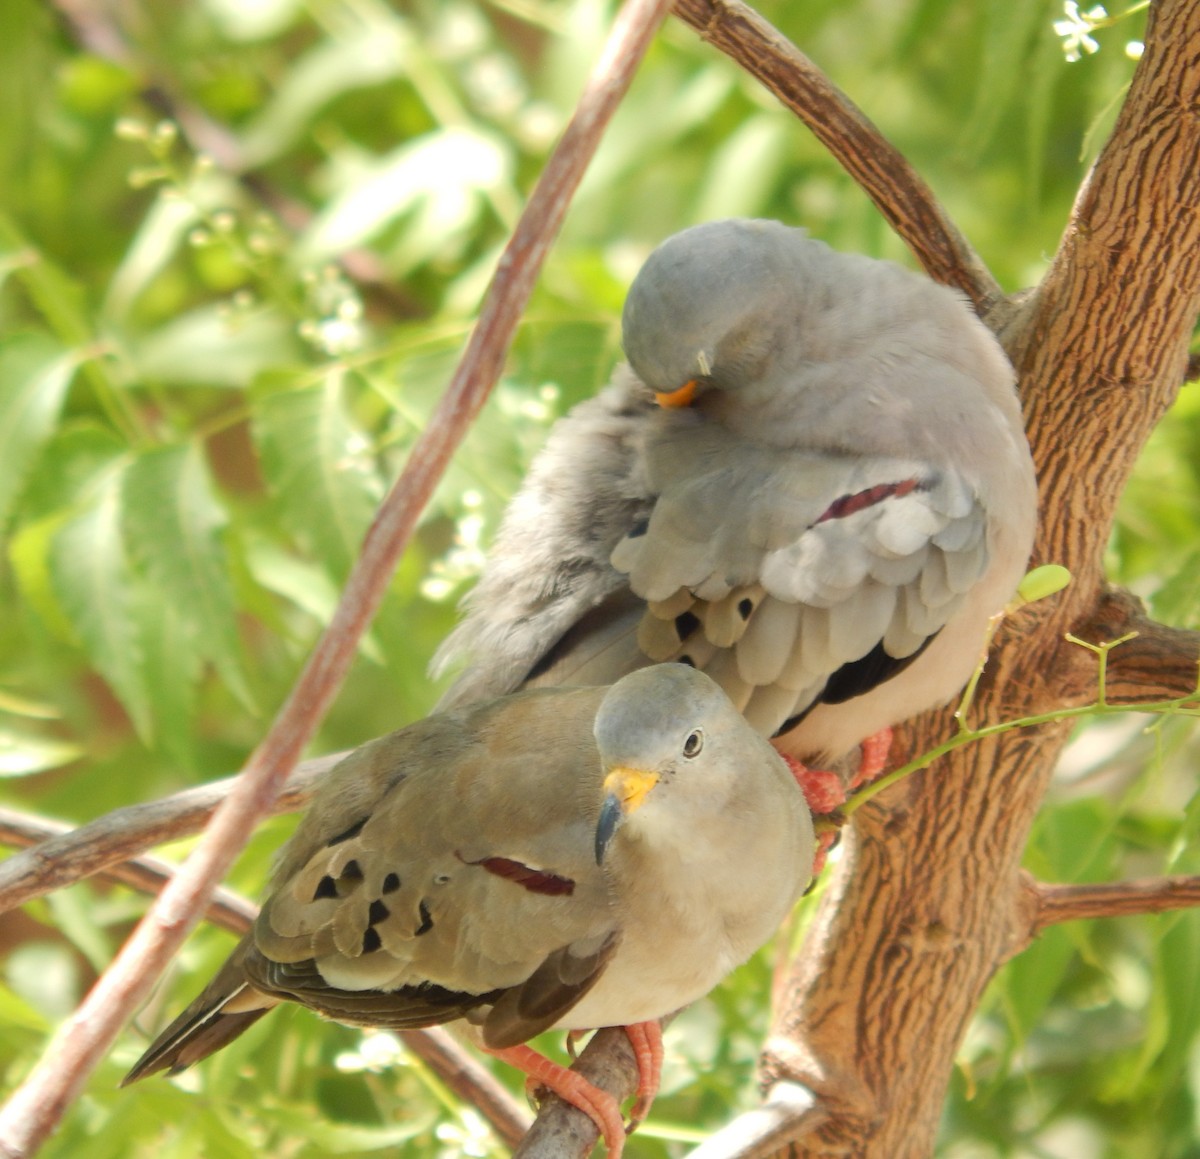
<point>534,880</point>
<point>860,500</point>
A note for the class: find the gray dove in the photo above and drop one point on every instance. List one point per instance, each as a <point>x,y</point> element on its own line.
<point>811,481</point>
<point>569,858</point>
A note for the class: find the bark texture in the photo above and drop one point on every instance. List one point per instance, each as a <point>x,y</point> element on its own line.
<point>930,900</point>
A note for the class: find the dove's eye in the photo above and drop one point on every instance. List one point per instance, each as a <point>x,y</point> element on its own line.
<point>694,743</point>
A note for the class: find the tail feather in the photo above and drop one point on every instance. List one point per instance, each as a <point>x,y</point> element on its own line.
<point>225,1008</point>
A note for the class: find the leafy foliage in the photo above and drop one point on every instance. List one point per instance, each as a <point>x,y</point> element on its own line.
<point>240,249</point>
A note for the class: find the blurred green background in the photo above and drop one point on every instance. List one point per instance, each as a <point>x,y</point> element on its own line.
<point>241,246</point>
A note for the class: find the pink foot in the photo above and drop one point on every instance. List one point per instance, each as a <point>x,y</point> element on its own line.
<point>875,752</point>
<point>597,1104</point>
<point>825,842</point>
<point>571,1087</point>
<point>822,789</point>
<point>647,1042</point>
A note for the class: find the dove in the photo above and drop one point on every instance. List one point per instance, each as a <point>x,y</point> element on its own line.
<point>811,481</point>
<point>559,858</point>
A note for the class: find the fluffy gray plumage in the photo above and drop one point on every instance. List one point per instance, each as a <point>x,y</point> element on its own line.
<point>825,530</point>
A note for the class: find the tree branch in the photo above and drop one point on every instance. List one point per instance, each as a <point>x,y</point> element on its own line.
<point>470,1080</point>
<point>32,1113</point>
<point>788,1112</point>
<point>1159,663</point>
<point>926,902</point>
<point>1051,904</point>
<point>562,1130</point>
<point>73,854</point>
<point>225,908</point>
<point>879,167</point>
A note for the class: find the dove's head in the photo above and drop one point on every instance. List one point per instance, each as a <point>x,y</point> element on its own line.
<point>716,307</point>
<point>674,749</point>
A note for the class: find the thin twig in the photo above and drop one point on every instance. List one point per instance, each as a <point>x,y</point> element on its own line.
<point>471,1081</point>
<point>33,1112</point>
<point>855,143</point>
<point>74,854</point>
<point>1144,895</point>
<point>226,909</point>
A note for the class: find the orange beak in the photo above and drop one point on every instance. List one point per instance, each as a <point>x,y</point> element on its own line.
<point>676,398</point>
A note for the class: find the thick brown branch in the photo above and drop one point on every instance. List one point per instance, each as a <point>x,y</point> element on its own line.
<point>1101,347</point>
<point>1067,903</point>
<point>883,172</point>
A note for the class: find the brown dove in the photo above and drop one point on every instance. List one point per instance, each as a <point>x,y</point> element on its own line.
<point>570,858</point>
<point>811,481</point>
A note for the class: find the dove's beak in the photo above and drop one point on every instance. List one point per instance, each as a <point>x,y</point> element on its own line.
<point>680,397</point>
<point>625,790</point>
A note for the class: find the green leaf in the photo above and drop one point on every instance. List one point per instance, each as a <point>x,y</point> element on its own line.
<point>172,522</point>
<point>745,169</point>
<point>172,667</point>
<point>29,553</point>
<point>35,372</point>
<point>215,346</point>
<point>316,464</point>
<point>345,1138</point>
<point>441,179</point>
<point>24,753</point>
<point>374,52</point>
<point>46,975</point>
<point>90,576</point>
<point>1011,32</point>
<point>78,453</point>
<point>72,460</point>
<point>1175,956</point>
<point>1042,582</point>
<point>61,299</point>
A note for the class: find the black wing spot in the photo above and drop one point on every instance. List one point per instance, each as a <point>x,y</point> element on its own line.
<point>860,676</point>
<point>391,883</point>
<point>353,831</point>
<point>745,607</point>
<point>856,679</point>
<point>686,623</point>
<point>377,913</point>
<point>426,921</point>
<point>351,872</point>
<point>371,940</point>
<point>326,887</point>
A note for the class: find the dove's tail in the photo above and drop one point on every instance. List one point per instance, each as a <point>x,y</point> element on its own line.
<point>224,1009</point>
